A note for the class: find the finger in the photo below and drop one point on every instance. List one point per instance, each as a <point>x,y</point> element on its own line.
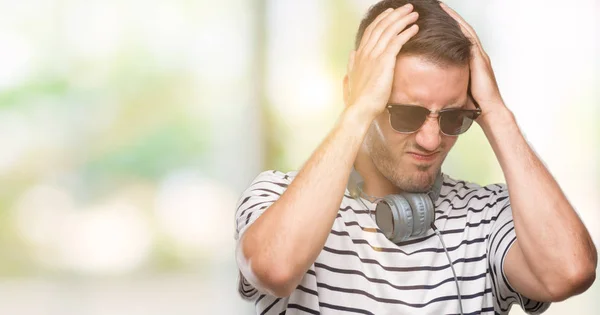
<point>468,31</point>
<point>383,24</point>
<point>392,31</point>
<point>396,43</point>
<point>369,29</point>
<point>350,62</point>
<point>464,26</point>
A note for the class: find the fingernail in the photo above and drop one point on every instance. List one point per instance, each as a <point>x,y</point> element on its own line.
<point>388,10</point>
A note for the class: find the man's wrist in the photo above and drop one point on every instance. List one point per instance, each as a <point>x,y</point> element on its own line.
<point>356,118</point>
<point>501,117</point>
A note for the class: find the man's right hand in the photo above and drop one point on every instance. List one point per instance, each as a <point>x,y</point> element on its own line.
<point>371,66</point>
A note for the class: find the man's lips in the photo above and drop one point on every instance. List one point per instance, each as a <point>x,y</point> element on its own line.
<point>423,156</point>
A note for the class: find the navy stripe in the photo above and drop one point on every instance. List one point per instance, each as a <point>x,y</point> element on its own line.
<point>473,210</point>
<point>401,269</point>
<point>456,190</point>
<point>394,301</point>
<point>499,191</point>
<point>269,182</point>
<point>451,200</point>
<point>417,240</point>
<point>345,309</point>
<point>497,294</point>
<point>307,290</point>
<point>254,205</point>
<point>270,306</point>
<point>444,184</point>
<point>495,277</point>
<point>503,237</point>
<point>267,190</point>
<point>242,203</point>
<point>251,213</point>
<point>395,286</point>
<point>536,308</point>
<point>502,273</point>
<point>259,298</point>
<point>509,300</point>
<point>303,308</point>
<point>357,211</point>
<point>249,290</point>
<point>398,250</point>
<point>248,295</point>
<point>378,231</point>
<point>470,209</point>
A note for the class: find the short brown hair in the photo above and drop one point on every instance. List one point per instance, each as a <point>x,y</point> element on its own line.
<point>439,39</point>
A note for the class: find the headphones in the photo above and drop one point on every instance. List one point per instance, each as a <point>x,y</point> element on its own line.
<point>401,217</point>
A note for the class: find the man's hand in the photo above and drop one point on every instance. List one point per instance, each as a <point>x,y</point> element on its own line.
<point>371,66</point>
<point>483,81</point>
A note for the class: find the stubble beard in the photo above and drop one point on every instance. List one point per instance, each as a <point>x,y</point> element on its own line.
<point>408,180</point>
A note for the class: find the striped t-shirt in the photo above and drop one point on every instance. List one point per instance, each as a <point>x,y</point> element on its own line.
<point>360,271</point>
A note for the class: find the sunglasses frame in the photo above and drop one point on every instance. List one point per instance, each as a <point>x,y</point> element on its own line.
<point>476,112</point>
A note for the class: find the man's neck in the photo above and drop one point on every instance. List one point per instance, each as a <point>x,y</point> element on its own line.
<point>375,184</point>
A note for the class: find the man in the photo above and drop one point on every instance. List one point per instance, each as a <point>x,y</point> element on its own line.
<point>307,246</point>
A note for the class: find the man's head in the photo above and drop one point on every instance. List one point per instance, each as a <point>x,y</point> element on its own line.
<point>439,39</point>
<point>432,71</point>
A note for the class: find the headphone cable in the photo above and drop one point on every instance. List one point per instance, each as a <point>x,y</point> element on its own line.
<point>451,266</point>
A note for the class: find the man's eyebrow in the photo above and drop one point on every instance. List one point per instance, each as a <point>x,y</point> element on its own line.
<point>450,106</point>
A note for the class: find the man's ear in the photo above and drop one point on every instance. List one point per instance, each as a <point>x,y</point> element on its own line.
<point>346,91</point>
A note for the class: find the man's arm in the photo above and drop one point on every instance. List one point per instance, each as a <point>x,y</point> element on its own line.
<point>553,257</point>
<point>279,247</point>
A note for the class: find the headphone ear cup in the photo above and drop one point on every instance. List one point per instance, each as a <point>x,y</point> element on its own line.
<point>423,212</point>
<point>394,217</point>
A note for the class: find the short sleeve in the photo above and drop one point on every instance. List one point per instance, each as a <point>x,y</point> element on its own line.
<point>264,190</point>
<point>502,236</point>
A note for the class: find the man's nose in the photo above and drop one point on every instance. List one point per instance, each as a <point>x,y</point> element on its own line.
<point>429,136</point>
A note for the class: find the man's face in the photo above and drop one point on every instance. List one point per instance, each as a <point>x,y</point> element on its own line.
<point>411,161</point>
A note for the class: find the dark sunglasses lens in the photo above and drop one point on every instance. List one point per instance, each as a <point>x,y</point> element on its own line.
<point>455,122</point>
<point>407,118</point>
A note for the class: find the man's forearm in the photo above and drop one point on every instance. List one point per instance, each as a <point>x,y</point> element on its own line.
<point>553,240</point>
<point>286,239</point>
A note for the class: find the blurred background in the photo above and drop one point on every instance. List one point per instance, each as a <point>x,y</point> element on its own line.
<point>129,129</point>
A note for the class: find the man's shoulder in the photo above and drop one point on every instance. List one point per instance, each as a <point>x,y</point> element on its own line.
<point>458,187</point>
<point>474,202</point>
<point>275,177</point>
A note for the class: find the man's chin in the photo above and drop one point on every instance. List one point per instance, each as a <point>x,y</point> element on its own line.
<point>419,181</point>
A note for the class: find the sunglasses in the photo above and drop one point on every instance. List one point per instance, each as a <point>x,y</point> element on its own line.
<point>453,121</point>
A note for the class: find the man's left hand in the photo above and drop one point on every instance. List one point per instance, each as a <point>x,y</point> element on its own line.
<point>484,87</point>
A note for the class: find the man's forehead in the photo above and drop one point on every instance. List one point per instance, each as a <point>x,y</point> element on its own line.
<point>418,81</point>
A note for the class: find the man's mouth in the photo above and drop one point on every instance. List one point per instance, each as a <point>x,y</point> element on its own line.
<point>425,157</point>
